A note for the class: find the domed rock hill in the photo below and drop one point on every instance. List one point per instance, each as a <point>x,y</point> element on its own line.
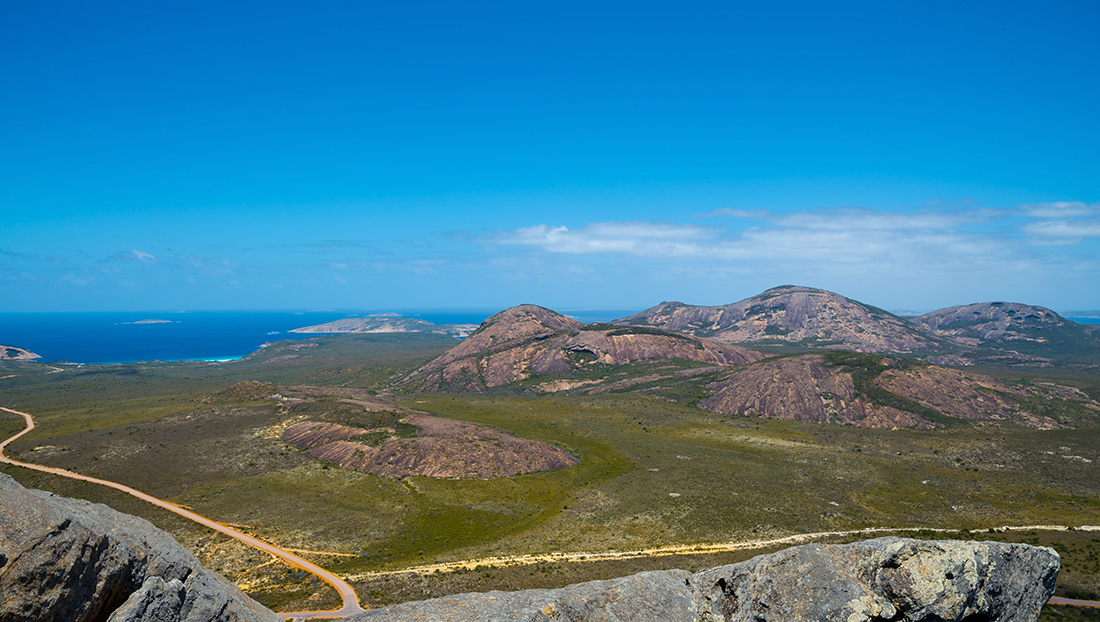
<point>793,315</point>
<point>872,391</point>
<point>1016,327</point>
<point>442,448</point>
<point>528,340</point>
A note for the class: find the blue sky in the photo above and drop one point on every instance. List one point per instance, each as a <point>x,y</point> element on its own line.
<point>269,155</point>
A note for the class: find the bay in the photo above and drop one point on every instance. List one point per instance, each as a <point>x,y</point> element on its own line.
<point>127,337</point>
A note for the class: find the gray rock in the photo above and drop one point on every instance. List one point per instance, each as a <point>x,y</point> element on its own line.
<point>67,560</point>
<point>661,595</point>
<point>74,561</point>
<point>887,579</point>
<point>892,579</point>
<point>156,601</point>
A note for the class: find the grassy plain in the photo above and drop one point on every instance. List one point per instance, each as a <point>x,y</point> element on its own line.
<point>653,472</point>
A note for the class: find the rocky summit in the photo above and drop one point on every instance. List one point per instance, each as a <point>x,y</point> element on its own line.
<point>872,391</point>
<point>793,315</point>
<point>1030,333</point>
<point>65,560</point>
<point>892,579</point>
<point>985,322</point>
<point>526,341</point>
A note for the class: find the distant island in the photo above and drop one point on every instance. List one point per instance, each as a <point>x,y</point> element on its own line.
<point>388,323</point>
<point>12,353</point>
<point>150,322</point>
<point>550,452</point>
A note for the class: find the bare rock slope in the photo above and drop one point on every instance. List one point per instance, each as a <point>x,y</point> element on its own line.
<point>1024,330</point>
<point>65,560</point>
<point>868,390</point>
<point>793,315</point>
<point>528,340</point>
<point>441,448</point>
<point>883,579</point>
<point>991,321</point>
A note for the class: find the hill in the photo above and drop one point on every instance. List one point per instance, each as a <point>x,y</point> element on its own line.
<point>540,351</point>
<point>12,353</point>
<point>528,340</point>
<point>387,324</point>
<point>793,315</point>
<point>354,430</point>
<point>653,472</point>
<point>1022,329</point>
<point>881,392</point>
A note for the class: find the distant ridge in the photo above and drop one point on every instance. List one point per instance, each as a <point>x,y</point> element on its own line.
<point>793,315</point>
<point>988,322</point>
<point>1020,329</point>
<point>532,349</point>
<point>527,340</point>
<point>872,391</point>
<point>387,324</point>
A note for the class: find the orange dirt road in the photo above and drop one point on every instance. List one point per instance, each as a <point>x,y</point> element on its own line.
<point>351,601</point>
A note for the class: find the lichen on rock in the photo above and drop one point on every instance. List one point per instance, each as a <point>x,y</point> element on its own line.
<point>68,560</point>
<point>886,579</point>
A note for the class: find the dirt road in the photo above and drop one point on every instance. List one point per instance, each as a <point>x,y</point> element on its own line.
<point>351,602</point>
<point>684,549</point>
<point>347,594</point>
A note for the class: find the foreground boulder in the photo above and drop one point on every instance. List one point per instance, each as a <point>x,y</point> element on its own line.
<point>66,560</point>
<point>884,579</point>
<point>887,579</point>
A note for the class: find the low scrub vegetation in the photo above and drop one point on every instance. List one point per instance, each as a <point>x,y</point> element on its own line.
<point>653,470</point>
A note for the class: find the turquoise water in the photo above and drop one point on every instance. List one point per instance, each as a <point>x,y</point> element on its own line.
<point>207,335</point>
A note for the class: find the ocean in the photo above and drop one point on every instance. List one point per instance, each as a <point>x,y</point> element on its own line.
<point>125,337</point>
<point>206,335</point>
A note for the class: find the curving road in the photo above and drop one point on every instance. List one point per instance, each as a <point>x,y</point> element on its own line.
<point>1058,600</point>
<point>350,600</point>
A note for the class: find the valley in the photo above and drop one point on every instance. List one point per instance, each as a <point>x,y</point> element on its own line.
<point>608,439</point>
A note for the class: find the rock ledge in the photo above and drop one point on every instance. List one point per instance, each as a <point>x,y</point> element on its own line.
<point>881,580</point>
<point>66,560</point>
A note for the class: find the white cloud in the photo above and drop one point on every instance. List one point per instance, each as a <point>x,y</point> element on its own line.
<point>1060,209</point>
<point>632,237</point>
<point>758,214</point>
<point>850,244</point>
<point>841,234</point>
<point>867,219</point>
<point>143,256</point>
<point>215,271</point>
<point>78,280</point>
<point>1078,228</point>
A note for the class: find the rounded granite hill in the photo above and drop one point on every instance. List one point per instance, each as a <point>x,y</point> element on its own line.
<point>528,340</point>
<point>794,315</point>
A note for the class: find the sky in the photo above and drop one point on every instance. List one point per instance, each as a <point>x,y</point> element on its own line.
<point>367,155</point>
